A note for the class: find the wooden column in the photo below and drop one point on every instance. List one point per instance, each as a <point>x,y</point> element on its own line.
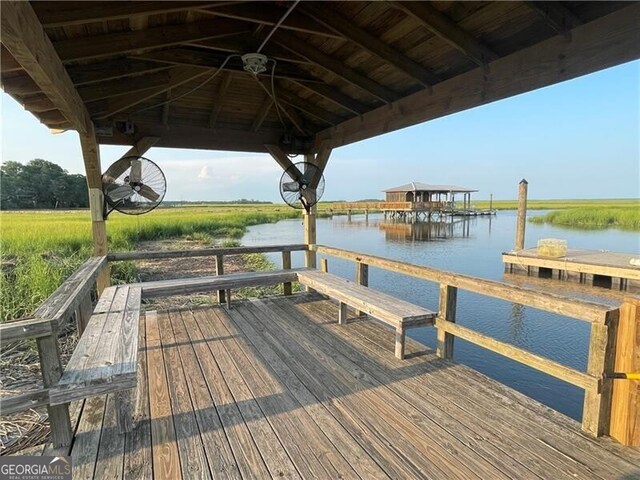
<point>91,156</point>
<point>362,278</point>
<point>597,401</point>
<point>522,213</point>
<point>625,408</point>
<point>447,312</point>
<point>286,265</point>
<point>310,228</point>
<point>220,271</point>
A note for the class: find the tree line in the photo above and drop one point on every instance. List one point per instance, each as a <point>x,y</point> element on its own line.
<point>40,185</point>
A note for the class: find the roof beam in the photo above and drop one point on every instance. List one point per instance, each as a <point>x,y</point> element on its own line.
<point>336,96</point>
<point>208,59</point>
<point>120,43</point>
<point>23,36</point>
<point>177,76</point>
<point>264,13</point>
<point>610,40</point>
<point>440,25</point>
<point>370,43</point>
<point>115,88</point>
<point>242,44</point>
<point>559,17</point>
<point>7,62</point>
<point>225,81</point>
<point>64,13</point>
<point>337,67</point>
<point>263,111</point>
<point>183,136</point>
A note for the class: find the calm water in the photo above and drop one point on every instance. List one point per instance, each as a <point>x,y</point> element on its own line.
<point>473,247</point>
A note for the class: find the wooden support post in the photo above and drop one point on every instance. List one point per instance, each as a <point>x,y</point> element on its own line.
<point>51,366</point>
<point>362,278</point>
<point>124,410</point>
<point>324,265</point>
<point>83,314</point>
<point>91,156</point>
<point>522,213</point>
<point>310,237</point>
<point>597,401</point>
<point>625,408</point>
<point>228,296</point>
<point>286,265</point>
<point>447,312</point>
<point>220,271</point>
<point>400,341</point>
<point>342,314</point>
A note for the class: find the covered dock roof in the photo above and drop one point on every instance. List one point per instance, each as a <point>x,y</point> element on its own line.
<point>424,187</point>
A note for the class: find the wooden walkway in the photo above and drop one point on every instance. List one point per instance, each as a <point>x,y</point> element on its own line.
<point>275,388</point>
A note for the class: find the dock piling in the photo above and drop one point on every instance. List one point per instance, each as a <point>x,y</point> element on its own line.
<point>522,213</point>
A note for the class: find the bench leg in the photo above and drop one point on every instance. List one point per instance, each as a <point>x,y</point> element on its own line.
<point>400,338</point>
<point>124,410</point>
<point>342,314</point>
<point>228,295</point>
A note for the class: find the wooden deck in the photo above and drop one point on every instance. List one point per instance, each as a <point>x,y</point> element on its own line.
<point>275,388</point>
<point>578,265</point>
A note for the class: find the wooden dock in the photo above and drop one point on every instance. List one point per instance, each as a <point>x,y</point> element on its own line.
<point>608,269</point>
<point>275,388</point>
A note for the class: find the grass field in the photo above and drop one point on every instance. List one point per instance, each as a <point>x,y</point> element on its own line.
<point>41,248</point>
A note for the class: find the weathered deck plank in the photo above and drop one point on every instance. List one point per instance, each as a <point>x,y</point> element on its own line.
<point>275,388</point>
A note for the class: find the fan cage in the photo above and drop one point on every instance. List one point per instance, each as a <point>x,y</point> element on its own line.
<point>293,188</point>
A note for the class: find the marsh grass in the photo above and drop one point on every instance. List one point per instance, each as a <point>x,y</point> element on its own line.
<point>39,249</point>
<point>624,218</point>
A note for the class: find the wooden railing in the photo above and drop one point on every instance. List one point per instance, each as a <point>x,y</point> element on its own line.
<point>598,416</point>
<point>71,300</point>
<point>421,206</point>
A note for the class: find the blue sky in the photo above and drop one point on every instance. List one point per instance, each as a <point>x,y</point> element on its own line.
<point>577,139</point>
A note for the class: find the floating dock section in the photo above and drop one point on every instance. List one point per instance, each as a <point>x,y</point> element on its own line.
<point>601,268</point>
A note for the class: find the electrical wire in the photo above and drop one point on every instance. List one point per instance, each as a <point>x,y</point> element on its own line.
<point>273,92</point>
<point>197,87</point>
<point>277,25</point>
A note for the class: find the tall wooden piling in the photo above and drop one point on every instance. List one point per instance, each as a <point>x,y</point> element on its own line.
<point>522,213</point>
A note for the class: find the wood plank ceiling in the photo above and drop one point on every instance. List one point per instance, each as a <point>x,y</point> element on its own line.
<point>156,64</point>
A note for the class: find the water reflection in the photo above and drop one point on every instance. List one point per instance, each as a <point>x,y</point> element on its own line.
<point>428,231</point>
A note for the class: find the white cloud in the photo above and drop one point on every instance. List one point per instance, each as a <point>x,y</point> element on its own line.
<point>204,173</point>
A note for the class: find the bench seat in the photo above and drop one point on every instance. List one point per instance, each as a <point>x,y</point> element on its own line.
<point>397,313</point>
<point>106,357</point>
<point>183,286</point>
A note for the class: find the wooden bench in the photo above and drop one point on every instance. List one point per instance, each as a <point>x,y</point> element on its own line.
<point>397,313</point>
<point>106,357</point>
<point>230,281</point>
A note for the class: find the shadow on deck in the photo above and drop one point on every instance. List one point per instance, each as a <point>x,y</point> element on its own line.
<point>275,388</point>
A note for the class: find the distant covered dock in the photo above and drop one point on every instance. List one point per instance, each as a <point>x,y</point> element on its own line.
<point>414,200</point>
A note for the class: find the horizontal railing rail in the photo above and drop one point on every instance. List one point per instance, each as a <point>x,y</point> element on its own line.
<point>597,412</point>
<point>202,252</point>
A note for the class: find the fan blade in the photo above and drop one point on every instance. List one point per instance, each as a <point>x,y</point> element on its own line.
<point>148,193</point>
<point>291,187</point>
<point>117,193</point>
<point>136,171</point>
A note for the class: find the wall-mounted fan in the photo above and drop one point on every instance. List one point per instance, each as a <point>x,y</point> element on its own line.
<point>133,185</point>
<point>302,185</point>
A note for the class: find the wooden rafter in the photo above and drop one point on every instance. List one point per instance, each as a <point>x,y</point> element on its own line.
<point>242,44</point>
<point>559,17</point>
<point>225,81</point>
<point>62,13</point>
<point>263,111</point>
<point>336,96</point>
<point>115,88</point>
<point>178,76</point>
<point>370,43</point>
<point>23,36</point>
<point>306,106</point>
<point>258,12</point>
<point>605,42</point>
<point>112,44</point>
<point>439,24</point>
<point>335,66</point>
<point>166,108</point>
<point>209,59</point>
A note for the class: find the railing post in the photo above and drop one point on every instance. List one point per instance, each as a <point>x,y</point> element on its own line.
<point>51,367</point>
<point>362,278</point>
<point>447,312</point>
<point>286,265</point>
<point>625,403</point>
<point>597,401</point>
<point>83,313</point>
<point>220,271</point>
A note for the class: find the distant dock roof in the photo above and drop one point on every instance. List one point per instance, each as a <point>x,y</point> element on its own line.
<point>424,187</point>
